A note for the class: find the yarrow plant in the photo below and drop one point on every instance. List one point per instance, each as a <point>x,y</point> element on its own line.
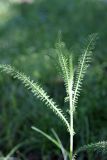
<point>73,83</point>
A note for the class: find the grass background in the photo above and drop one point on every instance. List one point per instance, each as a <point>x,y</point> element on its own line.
<point>27,32</point>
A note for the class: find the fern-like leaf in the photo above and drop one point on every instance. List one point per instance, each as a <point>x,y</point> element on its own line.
<point>83,64</point>
<point>36,90</point>
<point>63,60</point>
<point>100,146</point>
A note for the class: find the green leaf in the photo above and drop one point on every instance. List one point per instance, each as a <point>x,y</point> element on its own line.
<point>36,90</point>
<point>83,64</point>
<point>47,136</point>
<point>63,62</point>
<point>63,150</point>
<point>100,146</point>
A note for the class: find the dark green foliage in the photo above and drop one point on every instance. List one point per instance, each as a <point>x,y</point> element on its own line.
<point>68,75</point>
<point>25,29</point>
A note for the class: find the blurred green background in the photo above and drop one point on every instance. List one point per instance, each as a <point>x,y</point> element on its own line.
<point>28,29</point>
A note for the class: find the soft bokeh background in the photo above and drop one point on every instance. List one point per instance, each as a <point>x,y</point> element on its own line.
<point>28,29</point>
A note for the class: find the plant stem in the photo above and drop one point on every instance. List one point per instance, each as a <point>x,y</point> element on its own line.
<point>71,137</point>
<point>71,123</point>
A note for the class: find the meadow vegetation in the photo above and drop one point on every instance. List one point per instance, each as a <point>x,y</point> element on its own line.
<point>28,32</point>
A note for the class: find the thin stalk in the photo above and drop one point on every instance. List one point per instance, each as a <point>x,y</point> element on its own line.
<point>71,122</point>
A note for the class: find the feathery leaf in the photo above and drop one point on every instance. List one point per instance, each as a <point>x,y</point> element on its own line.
<point>63,62</point>
<point>36,90</point>
<point>100,146</point>
<point>83,64</point>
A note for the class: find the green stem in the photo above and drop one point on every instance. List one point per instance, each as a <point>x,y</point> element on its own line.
<point>71,123</point>
<point>71,136</point>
